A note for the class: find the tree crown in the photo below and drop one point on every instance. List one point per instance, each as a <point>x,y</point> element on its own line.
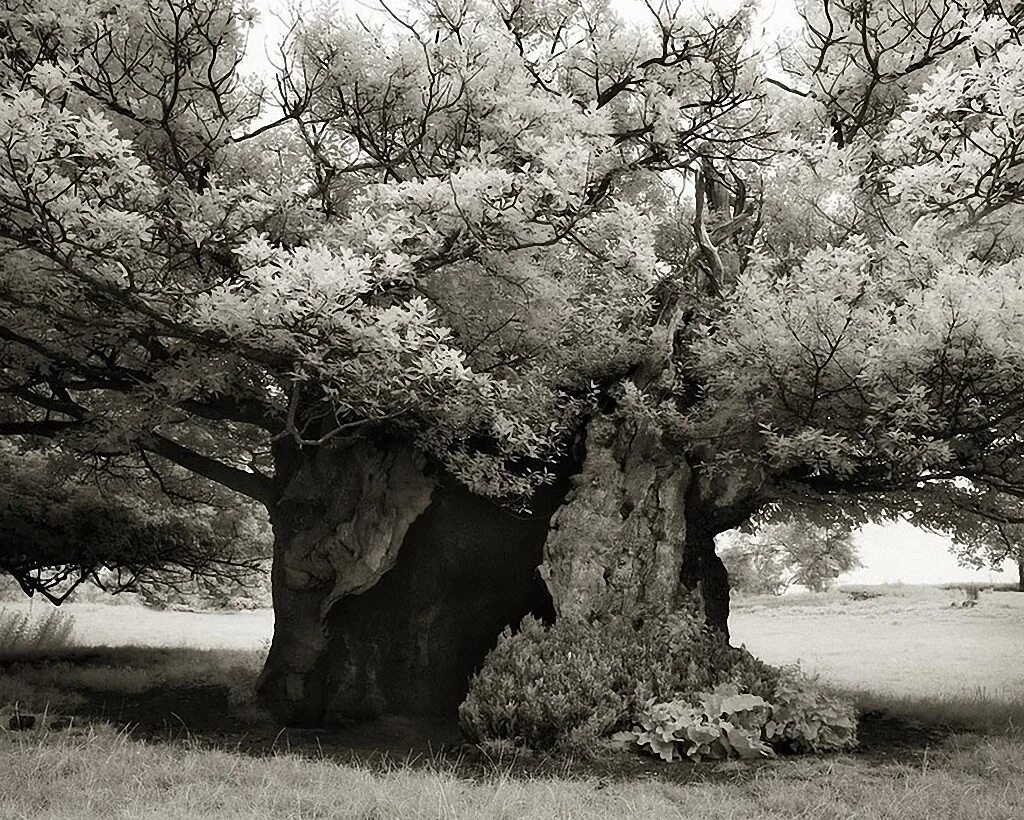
<point>461,225</point>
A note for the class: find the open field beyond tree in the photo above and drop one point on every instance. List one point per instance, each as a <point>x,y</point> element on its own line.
<point>908,641</point>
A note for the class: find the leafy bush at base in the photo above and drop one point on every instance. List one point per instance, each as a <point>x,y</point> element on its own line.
<point>807,718</point>
<point>802,717</point>
<point>663,682</point>
<point>567,686</point>
<point>724,723</point>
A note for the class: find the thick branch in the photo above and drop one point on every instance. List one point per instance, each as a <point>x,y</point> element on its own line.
<point>253,485</point>
<point>122,380</point>
<point>242,410</point>
<point>48,428</point>
<point>715,268</point>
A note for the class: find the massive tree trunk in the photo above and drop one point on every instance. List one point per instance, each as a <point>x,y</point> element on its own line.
<point>339,522</point>
<point>390,585</point>
<point>638,528</point>
<point>617,543</point>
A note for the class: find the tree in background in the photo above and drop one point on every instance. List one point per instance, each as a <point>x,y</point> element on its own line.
<point>1004,542</point>
<point>497,292</point>
<point>987,527</point>
<point>775,557</point>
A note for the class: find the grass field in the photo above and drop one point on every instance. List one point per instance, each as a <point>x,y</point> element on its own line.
<point>909,641</point>
<point>99,775</point>
<point>110,625</point>
<point>199,750</point>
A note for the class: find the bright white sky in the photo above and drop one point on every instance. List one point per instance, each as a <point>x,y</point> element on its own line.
<point>903,553</point>
<point>890,554</point>
<point>776,16</point>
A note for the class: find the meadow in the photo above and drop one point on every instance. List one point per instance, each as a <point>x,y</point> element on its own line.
<point>908,640</point>
<point>163,726</point>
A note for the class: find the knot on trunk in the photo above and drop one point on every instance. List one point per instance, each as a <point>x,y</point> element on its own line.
<point>346,515</point>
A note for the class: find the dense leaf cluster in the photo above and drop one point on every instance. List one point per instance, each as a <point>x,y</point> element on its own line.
<point>62,526</point>
<point>725,722</point>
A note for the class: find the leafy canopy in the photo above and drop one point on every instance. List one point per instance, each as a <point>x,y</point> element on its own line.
<point>65,522</point>
<point>459,225</point>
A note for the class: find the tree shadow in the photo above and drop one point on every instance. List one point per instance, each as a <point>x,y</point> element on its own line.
<point>189,697</point>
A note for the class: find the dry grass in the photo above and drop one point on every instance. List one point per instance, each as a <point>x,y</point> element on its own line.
<point>101,774</point>
<point>977,712</point>
<point>62,679</point>
<point>907,653</point>
<point>31,631</point>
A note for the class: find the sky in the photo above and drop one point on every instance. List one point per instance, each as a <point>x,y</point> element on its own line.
<point>895,553</point>
<point>902,553</point>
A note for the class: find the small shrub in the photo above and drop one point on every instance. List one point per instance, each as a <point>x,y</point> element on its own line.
<point>568,686</point>
<point>13,628</point>
<point>802,717</point>
<point>538,687</point>
<point>807,718</point>
<point>724,723</point>
<point>10,589</point>
<point>19,631</point>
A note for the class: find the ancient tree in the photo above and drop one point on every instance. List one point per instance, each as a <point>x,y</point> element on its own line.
<point>501,307</point>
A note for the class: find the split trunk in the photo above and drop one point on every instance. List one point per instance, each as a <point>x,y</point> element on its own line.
<point>391,582</point>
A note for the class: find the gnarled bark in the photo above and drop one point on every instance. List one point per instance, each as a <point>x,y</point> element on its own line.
<point>704,575</point>
<point>713,505</point>
<point>638,527</point>
<point>339,522</point>
<point>467,570</point>
<point>617,544</point>
<point>390,585</point>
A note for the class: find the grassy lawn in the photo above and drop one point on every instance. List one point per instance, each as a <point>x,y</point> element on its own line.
<point>101,774</point>
<point>909,641</point>
<point>943,734</point>
<point>98,624</point>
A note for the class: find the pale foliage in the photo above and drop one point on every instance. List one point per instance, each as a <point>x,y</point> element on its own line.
<point>468,222</point>
<point>779,554</point>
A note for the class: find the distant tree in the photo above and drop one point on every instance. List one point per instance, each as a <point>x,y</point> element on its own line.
<point>776,556</point>
<point>988,533</point>
<point>1005,543</point>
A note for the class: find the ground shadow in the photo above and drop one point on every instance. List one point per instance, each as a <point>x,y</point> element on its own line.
<point>203,712</point>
